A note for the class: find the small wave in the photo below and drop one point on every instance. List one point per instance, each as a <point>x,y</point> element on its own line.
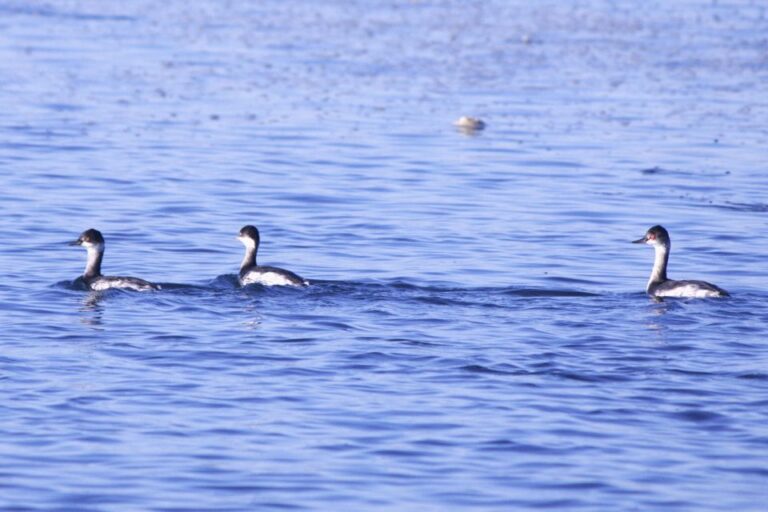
<point>508,290</point>
<point>224,281</point>
<point>517,447</point>
<point>743,207</point>
<point>67,285</point>
<point>48,12</point>
<point>529,292</point>
<point>478,368</point>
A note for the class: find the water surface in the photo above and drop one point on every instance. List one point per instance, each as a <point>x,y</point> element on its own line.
<point>476,337</point>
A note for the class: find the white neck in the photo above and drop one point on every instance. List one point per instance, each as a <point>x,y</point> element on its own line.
<point>93,264</point>
<point>249,259</point>
<point>659,272</point>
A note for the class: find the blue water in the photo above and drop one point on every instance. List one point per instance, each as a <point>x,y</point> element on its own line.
<point>477,336</point>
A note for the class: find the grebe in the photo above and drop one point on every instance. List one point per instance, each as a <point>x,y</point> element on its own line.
<point>658,284</point>
<point>93,242</point>
<point>251,273</point>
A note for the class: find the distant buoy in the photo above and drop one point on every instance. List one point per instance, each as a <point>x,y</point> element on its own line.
<point>470,124</point>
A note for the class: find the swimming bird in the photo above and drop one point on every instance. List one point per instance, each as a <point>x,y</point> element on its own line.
<point>251,273</point>
<point>93,242</point>
<point>658,284</point>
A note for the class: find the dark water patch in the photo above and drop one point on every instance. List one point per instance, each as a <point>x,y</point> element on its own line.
<point>551,164</point>
<point>572,280</point>
<point>548,293</point>
<point>424,342</point>
<point>693,373</point>
<point>753,376</point>
<point>505,445</point>
<point>589,377</point>
<point>578,486</point>
<point>664,172</point>
<point>445,301</point>
<point>699,416</point>
<point>476,368</point>
<point>758,471</point>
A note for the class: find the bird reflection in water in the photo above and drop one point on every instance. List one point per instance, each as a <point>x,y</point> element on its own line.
<point>93,309</point>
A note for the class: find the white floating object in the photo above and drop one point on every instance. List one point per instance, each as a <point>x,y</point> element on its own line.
<point>469,123</point>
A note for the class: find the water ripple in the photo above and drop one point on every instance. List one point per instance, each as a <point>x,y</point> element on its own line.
<point>476,335</point>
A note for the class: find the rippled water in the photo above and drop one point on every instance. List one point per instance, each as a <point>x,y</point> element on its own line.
<point>477,336</point>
